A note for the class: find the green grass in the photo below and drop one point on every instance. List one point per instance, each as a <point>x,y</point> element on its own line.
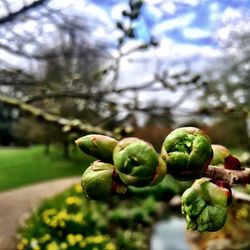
<point>19,167</point>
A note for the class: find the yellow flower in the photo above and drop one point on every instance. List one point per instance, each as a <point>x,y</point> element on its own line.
<point>96,239</point>
<point>20,246</point>
<point>24,241</point>
<point>62,214</point>
<point>73,200</point>
<point>79,237</point>
<point>63,245</point>
<point>83,244</point>
<point>44,238</point>
<point>110,246</point>
<point>52,246</point>
<point>71,239</point>
<point>78,218</point>
<point>78,189</point>
<point>50,211</point>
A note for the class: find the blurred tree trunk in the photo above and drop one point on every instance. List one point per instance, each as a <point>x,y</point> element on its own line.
<point>66,147</point>
<point>47,147</point>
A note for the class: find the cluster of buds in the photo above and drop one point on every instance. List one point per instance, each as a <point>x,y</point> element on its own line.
<point>129,162</point>
<point>186,154</point>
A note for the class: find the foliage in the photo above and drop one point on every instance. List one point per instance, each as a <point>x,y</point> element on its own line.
<point>22,166</point>
<point>71,221</point>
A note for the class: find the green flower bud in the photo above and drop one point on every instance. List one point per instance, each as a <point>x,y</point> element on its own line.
<point>187,152</point>
<point>204,206</point>
<point>220,153</point>
<point>98,146</point>
<point>137,163</point>
<point>100,181</point>
<point>223,158</point>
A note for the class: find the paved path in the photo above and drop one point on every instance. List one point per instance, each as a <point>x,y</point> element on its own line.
<point>17,204</point>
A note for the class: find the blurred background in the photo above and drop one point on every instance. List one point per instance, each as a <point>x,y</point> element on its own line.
<point>121,68</point>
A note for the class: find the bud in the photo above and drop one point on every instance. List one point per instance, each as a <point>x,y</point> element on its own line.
<point>222,157</point>
<point>204,206</point>
<point>98,146</point>
<point>187,152</point>
<point>220,153</point>
<point>137,163</point>
<point>100,181</point>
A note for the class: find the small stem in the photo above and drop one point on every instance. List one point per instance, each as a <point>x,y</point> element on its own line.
<point>230,176</point>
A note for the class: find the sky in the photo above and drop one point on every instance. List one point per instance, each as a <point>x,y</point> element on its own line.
<point>191,33</point>
<point>187,29</point>
<point>183,21</point>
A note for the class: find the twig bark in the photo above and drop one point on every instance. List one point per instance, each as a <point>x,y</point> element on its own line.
<point>232,177</point>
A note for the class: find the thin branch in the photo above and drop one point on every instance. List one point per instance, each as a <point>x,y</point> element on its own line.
<point>11,16</point>
<point>232,177</point>
<point>66,124</point>
<point>61,95</point>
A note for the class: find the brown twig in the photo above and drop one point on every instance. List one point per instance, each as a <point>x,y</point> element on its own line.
<point>232,177</point>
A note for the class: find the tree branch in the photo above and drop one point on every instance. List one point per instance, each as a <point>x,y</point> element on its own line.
<point>232,177</point>
<point>66,124</point>
<point>12,15</point>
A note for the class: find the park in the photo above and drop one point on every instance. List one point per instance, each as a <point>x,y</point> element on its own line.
<point>124,125</point>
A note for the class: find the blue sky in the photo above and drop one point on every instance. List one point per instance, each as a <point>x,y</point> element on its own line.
<point>190,31</point>
<point>186,21</point>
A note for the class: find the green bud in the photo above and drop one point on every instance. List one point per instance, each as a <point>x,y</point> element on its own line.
<point>220,153</point>
<point>98,146</point>
<point>100,181</point>
<point>137,163</point>
<point>204,206</point>
<point>187,152</point>
<point>130,32</point>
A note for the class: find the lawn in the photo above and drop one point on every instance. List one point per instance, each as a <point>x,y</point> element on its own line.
<point>19,167</point>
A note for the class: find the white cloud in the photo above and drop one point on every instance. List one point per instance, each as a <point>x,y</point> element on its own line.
<point>189,2</point>
<point>179,22</point>
<point>153,1</point>
<point>174,55</point>
<point>196,33</point>
<point>116,11</point>
<point>156,13</point>
<point>230,14</point>
<point>96,12</point>
<point>214,12</point>
<point>169,7</point>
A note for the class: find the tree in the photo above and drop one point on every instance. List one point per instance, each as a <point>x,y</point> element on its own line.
<point>227,92</point>
<point>95,89</point>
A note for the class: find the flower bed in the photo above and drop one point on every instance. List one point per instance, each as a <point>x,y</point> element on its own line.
<point>70,221</point>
